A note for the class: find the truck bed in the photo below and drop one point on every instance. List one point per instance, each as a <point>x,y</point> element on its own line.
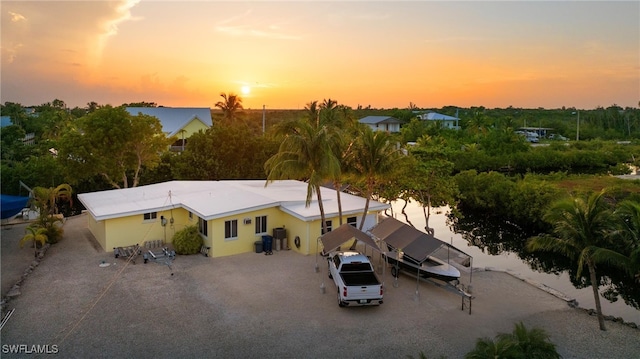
<point>359,279</point>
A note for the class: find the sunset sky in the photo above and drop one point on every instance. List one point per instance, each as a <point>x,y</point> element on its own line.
<point>285,54</point>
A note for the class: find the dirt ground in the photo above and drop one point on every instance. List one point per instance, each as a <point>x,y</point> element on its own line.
<point>252,305</point>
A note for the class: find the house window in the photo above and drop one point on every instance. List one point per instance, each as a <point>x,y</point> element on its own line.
<point>190,215</point>
<point>261,224</point>
<point>328,224</point>
<point>231,229</point>
<point>150,216</point>
<point>353,221</point>
<point>203,227</point>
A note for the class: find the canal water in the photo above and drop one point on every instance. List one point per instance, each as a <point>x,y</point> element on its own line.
<point>510,261</point>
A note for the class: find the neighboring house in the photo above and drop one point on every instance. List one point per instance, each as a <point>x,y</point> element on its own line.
<point>29,138</point>
<point>181,122</point>
<point>382,123</point>
<point>231,215</point>
<point>5,121</point>
<point>444,120</point>
<point>541,132</point>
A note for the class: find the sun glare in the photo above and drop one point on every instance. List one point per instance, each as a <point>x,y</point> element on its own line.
<point>245,90</point>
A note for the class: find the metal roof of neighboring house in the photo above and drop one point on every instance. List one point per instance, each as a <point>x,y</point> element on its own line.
<point>216,199</point>
<point>5,121</point>
<point>434,116</point>
<point>372,120</point>
<point>173,119</point>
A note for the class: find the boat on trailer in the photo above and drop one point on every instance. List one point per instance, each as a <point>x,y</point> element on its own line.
<point>431,267</point>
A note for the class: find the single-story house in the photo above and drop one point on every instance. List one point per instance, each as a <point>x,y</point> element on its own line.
<point>444,120</point>
<point>181,122</point>
<point>382,123</point>
<point>231,216</point>
<point>29,138</point>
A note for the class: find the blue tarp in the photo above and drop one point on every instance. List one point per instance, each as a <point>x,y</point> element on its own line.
<point>11,205</point>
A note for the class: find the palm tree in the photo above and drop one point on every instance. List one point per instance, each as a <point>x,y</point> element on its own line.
<point>36,235</point>
<point>582,228</point>
<point>373,158</point>
<point>628,214</point>
<point>326,114</point>
<point>521,343</point>
<point>46,199</point>
<point>306,153</point>
<point>532,343</point>
<point>312,111</point>
<point>487,348</point>
<point>232,103</point>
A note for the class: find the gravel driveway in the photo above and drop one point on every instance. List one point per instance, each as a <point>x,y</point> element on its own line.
<point>257,306</point>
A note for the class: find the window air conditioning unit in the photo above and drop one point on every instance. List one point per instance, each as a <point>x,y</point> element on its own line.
<point>247,221</point>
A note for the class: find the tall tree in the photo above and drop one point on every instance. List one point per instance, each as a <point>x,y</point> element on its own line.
<point>305,153</point>
<point>230,106</point>
<point>431,182</point>
<point>628,215</point>
<point>228,150</point>
<point>114,144</point>
<point>582,227</point>
<point>374,156</point>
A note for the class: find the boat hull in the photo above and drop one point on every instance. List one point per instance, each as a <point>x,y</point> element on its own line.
<point>430,268</point>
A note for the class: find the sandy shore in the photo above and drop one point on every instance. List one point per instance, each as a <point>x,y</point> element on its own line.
<point>252,305</point>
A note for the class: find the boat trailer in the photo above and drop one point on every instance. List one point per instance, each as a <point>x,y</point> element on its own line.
<point>128,253</point>
<point>161,255</point>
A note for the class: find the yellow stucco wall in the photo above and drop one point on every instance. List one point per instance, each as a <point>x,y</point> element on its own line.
<point>128,231</point>
<point>246,238</point>
<point>98,230</point>
<point>131,230</point>
<point>191,128</point>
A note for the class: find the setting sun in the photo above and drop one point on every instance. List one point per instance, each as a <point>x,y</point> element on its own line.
<point>286,54</point>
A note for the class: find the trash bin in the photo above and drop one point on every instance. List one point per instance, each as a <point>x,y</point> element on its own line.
<point>267,244</point>
<point>258,245</point>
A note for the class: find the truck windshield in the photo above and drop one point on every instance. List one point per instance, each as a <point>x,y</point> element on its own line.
<point>356,267</point>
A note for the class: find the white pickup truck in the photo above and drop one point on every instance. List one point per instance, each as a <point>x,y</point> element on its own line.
<point>355,279</point>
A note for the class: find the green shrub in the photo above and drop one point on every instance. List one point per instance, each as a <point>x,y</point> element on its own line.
<point>187,241</point>
<point>54,234</point>
<point>521,343</point>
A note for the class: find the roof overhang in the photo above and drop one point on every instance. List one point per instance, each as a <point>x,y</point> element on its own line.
<point>414,243</point>
<point>345,233</point>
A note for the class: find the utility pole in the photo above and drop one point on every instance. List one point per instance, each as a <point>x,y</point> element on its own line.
<point>578,126</point>
<point>263,118</point>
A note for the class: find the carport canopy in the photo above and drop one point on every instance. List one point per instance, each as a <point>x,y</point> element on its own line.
<point>414,243</point>
<point>343,234</point>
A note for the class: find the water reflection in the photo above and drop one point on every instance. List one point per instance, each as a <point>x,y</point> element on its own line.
<point>500,244</point>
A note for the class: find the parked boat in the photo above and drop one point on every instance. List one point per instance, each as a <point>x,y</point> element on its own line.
<point>432,267</point>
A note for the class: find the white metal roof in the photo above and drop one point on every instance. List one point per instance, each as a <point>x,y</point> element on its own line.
<point>215,199</point>
<point>434,116</point>
<point>372,120</point>
<point>173,119</point>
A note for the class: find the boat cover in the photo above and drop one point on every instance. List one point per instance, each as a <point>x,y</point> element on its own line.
<point>414,243</point>
<point>11,205</point>
<point>346,233</point>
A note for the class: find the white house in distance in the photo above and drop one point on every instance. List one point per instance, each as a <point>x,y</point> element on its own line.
<point>382,123</point>
<point>446,121</point>
<point>231,215</point>
<point>181,122</point>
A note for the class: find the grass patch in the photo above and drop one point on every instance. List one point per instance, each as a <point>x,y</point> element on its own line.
<point>583,183</point>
